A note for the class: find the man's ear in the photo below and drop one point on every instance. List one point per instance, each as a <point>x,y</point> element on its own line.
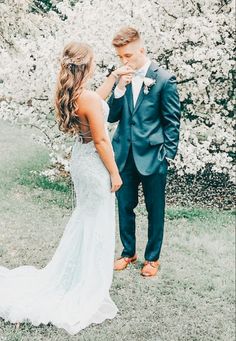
<point>142,50</point>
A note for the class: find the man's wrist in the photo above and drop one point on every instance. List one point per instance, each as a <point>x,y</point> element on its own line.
<point>119,92</point>
<point>121,88</point>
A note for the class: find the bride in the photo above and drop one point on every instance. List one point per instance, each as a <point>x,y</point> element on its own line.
<point>72,290</point>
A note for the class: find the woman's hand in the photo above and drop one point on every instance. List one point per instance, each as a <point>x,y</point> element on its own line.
<point>123,70</point>
<point>124,74</point>
<point>105,88</point>
<point>116,182</point>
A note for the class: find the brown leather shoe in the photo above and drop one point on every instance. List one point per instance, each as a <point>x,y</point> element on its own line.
<point>122,262</point>
<point>150,268</point>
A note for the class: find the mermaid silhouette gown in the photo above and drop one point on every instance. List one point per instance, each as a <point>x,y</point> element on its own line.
<point>72,290</point>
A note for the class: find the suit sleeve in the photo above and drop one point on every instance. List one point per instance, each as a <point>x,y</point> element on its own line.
<point>116,106</point>
<point>170,110</point>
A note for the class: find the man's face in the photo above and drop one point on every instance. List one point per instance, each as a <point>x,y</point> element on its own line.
<point>132,54</point>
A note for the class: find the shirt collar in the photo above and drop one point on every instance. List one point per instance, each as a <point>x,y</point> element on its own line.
<point>145,67</point>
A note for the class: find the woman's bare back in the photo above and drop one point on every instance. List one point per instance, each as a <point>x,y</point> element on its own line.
<point>87,97</point>
<point>84,128</point>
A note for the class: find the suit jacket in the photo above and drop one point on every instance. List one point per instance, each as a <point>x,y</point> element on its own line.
<point>151,128</point>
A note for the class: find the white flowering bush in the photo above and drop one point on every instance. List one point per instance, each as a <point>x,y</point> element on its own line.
<point>194,40</point>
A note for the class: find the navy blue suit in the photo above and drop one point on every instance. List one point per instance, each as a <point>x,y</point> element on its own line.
<point>146,135</point>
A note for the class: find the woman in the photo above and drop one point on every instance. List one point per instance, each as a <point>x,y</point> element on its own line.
<point>72,290</point>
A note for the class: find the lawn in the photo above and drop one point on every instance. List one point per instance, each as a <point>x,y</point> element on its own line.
<point>192,298</point>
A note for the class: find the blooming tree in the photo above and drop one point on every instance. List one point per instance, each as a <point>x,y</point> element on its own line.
<point>193,40</point>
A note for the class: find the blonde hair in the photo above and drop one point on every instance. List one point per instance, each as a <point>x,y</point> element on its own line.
<point>125,36</point>
<point>74,71</point>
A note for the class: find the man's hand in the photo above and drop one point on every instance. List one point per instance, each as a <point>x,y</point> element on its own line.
<point>124,81</point>
<point>124,74</point>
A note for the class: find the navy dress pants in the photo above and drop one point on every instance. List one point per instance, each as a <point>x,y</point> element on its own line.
<point>154,195</point>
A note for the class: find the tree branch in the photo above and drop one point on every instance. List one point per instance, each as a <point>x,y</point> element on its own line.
<point>186,80</point>
<point>199,8</point>
<point>42,131</point>
<point>171,15</point>
<point>41,99</point>
<point>6,41</point>
<point>225,4</point>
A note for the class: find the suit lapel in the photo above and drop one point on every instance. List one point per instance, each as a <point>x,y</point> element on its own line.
<point>151,73</point>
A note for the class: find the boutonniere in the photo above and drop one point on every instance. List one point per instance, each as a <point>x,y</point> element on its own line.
<point>148,83</point>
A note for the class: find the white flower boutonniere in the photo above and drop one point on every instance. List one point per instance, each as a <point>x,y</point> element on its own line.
<point>148,82</point>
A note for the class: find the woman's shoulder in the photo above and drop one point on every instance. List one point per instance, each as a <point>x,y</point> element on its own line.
<point>89,95</point>
<point>89,101</point>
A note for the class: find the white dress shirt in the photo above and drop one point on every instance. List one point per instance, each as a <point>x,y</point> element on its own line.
<point>137,82</point>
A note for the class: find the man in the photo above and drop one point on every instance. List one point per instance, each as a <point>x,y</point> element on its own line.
<point>146,105</point>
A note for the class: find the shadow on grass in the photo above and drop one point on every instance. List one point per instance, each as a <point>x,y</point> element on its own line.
<point>195,213</point>
<point>174,213</point>
<point>190,213</point>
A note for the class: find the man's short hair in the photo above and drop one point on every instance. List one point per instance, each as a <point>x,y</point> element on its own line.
<point>125,36</point>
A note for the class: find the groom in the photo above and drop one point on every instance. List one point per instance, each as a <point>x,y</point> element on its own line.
<point>147,107</point>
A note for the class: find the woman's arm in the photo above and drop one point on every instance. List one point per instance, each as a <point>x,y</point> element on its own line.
<point>105,89</point>
<point>91,108</point>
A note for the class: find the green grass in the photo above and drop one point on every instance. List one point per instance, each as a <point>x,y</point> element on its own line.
<point>34,180</point>
<point>190,213</point>
<point>192,298</point>
<point>57,192</point>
